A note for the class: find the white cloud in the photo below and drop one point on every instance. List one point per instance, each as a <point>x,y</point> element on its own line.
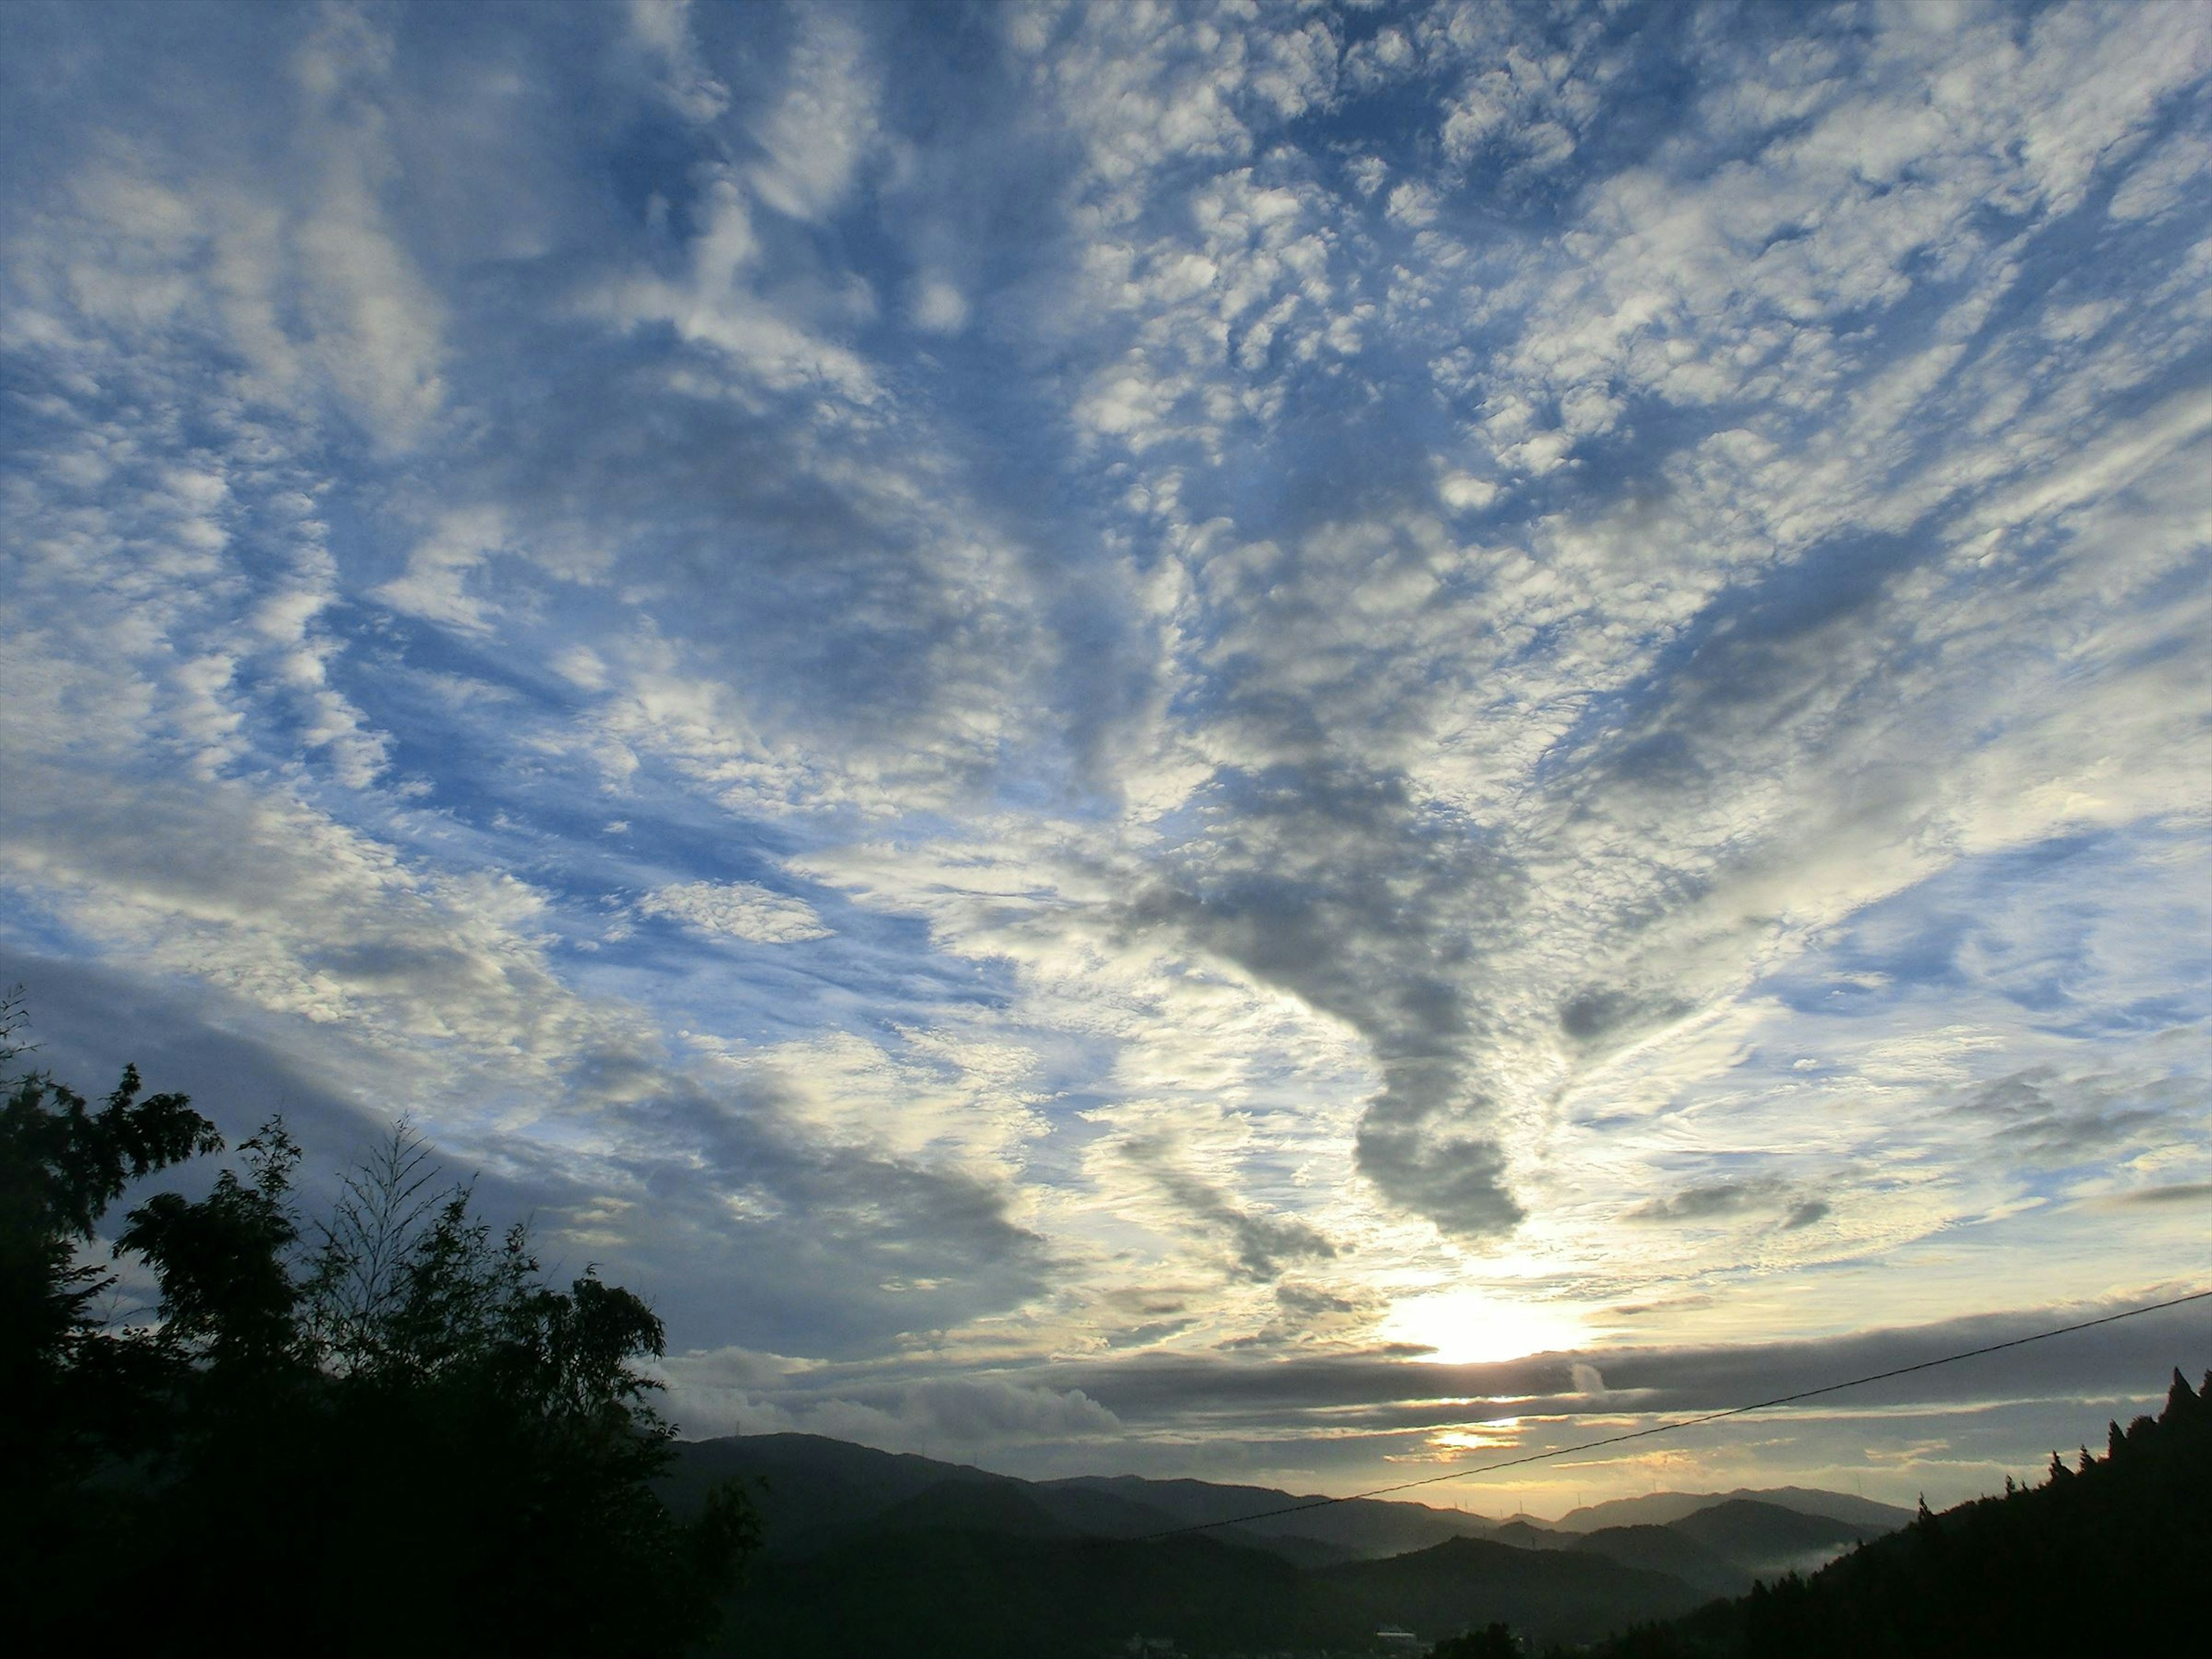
<point>435,583</point>
<point>1463,492</point>
<point>1414,205</point>
<point>818,132</point>
<point>719,304</point>
<point>378,324</point>
<point>663,29</point>
<point>739,909</point>
<point>938,308</point>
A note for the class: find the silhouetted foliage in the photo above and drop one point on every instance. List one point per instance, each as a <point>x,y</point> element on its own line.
<point>62,1164</point>
<point>390,1436</point>
<point>1493,1640</point>
<point>2107,1556</point>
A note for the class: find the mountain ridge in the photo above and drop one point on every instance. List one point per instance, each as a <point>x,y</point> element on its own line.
<point>816,1492</point>
<point>1661,1509</point>
<point>901,1556</point>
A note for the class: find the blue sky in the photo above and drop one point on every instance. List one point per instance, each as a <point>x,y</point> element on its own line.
<point>1138,736</point>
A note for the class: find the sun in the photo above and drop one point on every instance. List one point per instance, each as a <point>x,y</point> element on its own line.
<point>1473,1328</point>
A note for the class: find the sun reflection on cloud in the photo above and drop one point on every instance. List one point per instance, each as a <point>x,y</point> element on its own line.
<point>1477,1437</point>
<point>1473,1328</point>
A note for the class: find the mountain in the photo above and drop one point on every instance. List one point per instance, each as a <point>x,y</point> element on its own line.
<point>1662,1508</point>
<point>1720,1549</point>
<point>1365,1528</point>
<point>1670,1550</point>
<point>993,1506</point>
<point>808,1486</point>
<point>899,1557</point>
<point>1766,1540</point>
<point>816,1493</point>
<point>1528,1535</point>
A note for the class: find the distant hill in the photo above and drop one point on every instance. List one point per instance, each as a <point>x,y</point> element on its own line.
<point>1365,1528</point>
<point>818,1490</point>
<point>1530,1535</point>
<point>899,1557</point>
<point>817,1494</point>
<point>1721,1547</point>
<point>996,1506</point>
<point>2105,1557</point>
<point>1670,1550</point>
<point>1662,1508</point>
<point>1766,1539</point>
<point>808,1484</point>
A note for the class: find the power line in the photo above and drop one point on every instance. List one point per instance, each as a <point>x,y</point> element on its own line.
<point>1678,1422</point>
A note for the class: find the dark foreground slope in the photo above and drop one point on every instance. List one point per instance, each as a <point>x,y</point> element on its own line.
<point>974,1594</point>
<point>1549,1595</point>
<point>2107,1558</point>
<point>943,1592</point>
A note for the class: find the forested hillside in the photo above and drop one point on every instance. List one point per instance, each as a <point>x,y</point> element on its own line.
<point>2107,1556</point>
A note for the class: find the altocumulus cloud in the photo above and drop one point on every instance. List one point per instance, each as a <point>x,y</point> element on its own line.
<point>738,909</point>
<point>1083,701</point>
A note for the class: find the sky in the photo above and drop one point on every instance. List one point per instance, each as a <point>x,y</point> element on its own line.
<point>1279,742</point>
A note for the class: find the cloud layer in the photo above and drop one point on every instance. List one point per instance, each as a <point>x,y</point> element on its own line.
<point>999,693</point>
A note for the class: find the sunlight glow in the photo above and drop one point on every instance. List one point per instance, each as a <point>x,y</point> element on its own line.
<point>1478,1436</point>
<point>1471,1328</point>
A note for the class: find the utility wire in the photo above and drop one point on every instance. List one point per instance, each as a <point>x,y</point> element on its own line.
<point>1678,1422</point>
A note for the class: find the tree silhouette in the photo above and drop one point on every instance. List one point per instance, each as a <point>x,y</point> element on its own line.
<point>69,1391</point>
<point>1493,1640</point>
<point>383,1432</point>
